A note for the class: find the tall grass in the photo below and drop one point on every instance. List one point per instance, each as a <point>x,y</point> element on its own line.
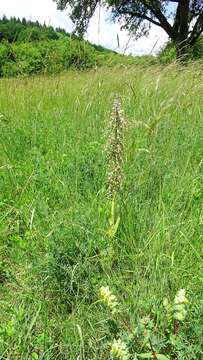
<point>53,209</point>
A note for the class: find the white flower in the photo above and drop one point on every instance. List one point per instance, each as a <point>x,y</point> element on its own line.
<point>180,316</point>
<point>165,302</point>
<point>108,298</point>
<point>119,350</point>
<point>180,297</point>
<point>179,306</point>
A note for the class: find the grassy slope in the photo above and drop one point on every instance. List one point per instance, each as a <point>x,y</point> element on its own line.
<point>53,212</point>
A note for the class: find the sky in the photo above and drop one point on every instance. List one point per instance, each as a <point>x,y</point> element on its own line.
<point>100,30</point>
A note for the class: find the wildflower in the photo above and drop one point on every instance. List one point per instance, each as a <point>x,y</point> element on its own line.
<point>180,297</point>
<point>165,303</point>
<point>108,298</point>
<point>181,315</point>
<point>145,320</point>
<point>119,350</point>
<point>180,302</point>
<point>115,149</point>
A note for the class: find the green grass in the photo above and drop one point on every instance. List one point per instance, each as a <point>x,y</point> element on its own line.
<point>54,251</point>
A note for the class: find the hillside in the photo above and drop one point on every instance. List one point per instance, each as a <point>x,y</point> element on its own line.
<point>28,48</point>
<point>17,30</point>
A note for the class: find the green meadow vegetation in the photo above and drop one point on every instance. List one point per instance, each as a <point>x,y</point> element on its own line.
<point>71,253</point>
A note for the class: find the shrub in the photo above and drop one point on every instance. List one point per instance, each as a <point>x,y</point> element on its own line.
<point>53,56</point>
<point>46,56</point>
<point>168,53</point>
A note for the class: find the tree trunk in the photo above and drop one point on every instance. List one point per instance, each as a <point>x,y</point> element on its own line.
<point>181,30</point>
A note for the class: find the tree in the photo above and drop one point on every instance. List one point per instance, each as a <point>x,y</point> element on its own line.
<point>182,20</point>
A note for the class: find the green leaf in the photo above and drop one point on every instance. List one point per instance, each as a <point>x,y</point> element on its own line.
<point>162,357</point>
<point>114,228</point>
<point>145,356</point>
<point>35,356</point>
<point>150,356</point>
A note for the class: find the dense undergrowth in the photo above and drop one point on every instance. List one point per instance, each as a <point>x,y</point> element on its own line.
<point>168,53</point>
<point>54,56</point>
<point>54,248</point>
<point>28,48</point>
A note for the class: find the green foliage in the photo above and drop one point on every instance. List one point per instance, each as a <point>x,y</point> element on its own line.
<point>152,338</point>
<point>168,53</point>
<point>197,50</point>
<point>52,56</point>
<point>54,222</point>
<point>16,30</point>
<point>29,48</point>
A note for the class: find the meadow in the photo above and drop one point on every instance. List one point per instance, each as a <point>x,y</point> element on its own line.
<point>55,251</point>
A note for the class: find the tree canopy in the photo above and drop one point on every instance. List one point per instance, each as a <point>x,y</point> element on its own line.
<point>183,22</point>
